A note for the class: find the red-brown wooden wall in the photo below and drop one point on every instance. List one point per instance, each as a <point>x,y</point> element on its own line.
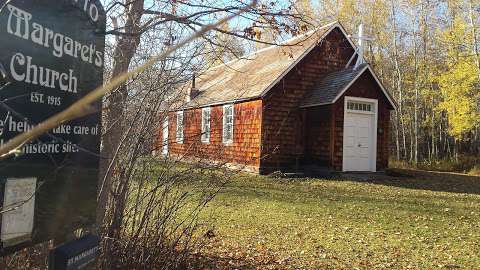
<point>282,142</point>
<point>245,149</point>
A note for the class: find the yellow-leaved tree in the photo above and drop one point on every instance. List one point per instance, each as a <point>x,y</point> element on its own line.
<point>459,84</point>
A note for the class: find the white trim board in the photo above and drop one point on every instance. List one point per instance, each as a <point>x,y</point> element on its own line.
<point>165,131</point>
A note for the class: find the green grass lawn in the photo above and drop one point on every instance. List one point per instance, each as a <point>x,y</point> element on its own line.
<point>423,221</point>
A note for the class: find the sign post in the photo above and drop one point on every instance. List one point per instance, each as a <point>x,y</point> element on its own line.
<point>51,55</point>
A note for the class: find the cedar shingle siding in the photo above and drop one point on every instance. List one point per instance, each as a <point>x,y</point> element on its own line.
<point>245,149</point>
<point>283,144</point>
<point>276,131</point>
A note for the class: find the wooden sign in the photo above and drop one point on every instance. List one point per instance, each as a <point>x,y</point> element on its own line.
<point>51,55</point>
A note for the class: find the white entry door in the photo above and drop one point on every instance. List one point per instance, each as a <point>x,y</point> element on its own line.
<point>165,137</point>
<point>359,134</point>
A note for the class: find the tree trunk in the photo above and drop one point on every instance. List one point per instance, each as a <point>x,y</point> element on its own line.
<point>398,85</point>
<point>115,105</point>
<point>473,30</point>
<point>416,86</point>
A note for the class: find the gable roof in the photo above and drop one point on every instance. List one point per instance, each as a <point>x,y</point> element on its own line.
<point>330,88</point>
<point>254,75</point>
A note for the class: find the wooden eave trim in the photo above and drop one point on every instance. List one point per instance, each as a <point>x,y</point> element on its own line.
<point>233,101</point>
<point>316,105</point>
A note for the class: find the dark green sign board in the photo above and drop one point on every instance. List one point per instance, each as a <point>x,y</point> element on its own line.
<point>51,55</point>
<point>75,255</point>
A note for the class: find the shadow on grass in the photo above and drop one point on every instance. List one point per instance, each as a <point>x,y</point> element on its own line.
<point>421,180</point>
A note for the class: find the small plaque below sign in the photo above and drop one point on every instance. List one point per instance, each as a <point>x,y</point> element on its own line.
<point>77,254</point>
<point>18,210</point>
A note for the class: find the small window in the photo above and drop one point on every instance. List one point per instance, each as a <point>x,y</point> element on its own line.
<point>359,106</point>
<point>179,131</point>
<point>205,125</point>
<point>228,115</point>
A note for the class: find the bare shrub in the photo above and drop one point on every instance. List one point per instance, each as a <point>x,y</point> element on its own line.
<point>160,225</point>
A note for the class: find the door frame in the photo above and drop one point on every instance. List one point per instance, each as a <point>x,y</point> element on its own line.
<point>373,151</point>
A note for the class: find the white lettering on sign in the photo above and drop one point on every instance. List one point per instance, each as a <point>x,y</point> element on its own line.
<point>23,126</point>
<point>42,76</point>
<point>81,256</point>
<point>19,205</point>
<point>90,8</point>
<point>20,23</point>
<point>52,147</point>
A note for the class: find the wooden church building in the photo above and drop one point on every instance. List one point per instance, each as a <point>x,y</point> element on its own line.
<point>305,102</point>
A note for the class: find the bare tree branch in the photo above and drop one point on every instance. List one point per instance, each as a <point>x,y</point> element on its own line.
<point>80,107</point>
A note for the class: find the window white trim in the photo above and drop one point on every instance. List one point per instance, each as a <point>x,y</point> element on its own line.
<point>180,125</point>
<point>374,113</point>
<point>206,125</point>
<point>165,132</point>
<point>228,121</point>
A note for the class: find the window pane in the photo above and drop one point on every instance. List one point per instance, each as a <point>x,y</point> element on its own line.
<point>179,131</point>
<point>205,124</point>
<point>229,132</point>
<point>358,106</point>
<point>228,116</point>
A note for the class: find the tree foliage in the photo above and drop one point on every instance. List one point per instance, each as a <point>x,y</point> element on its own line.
<point>427,54</point>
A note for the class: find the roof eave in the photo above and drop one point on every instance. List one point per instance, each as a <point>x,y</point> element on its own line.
<point>215,103</point>
<point>315,105</point>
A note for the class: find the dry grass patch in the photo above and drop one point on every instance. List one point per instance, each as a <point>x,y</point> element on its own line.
<point>426,221</point>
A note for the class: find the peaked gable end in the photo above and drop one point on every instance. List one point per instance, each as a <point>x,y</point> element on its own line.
<point>336,28</point>
<point>330,88</point>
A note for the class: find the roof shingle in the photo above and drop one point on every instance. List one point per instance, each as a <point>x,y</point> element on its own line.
<point>248,77</point>
<point>330,86</point>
